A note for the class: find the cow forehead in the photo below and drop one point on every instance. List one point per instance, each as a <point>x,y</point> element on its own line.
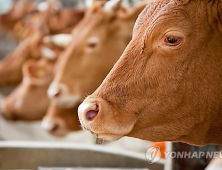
<point>163,14</point>
<point>87,25</point>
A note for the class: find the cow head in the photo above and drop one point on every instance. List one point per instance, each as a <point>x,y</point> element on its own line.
<point>167,85</point>
<point>60,121</point>
<point>29,101</point>
<point>97,43</point>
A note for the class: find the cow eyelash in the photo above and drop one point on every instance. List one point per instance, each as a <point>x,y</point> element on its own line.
<point>172,41</point>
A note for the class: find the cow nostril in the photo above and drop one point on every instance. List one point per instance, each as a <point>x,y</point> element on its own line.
<point>54,93</point>
<point>50,126</point>
<point>54,128</point>
<point>58,93</point>
<point>88,111</point>
<point>91,114</point>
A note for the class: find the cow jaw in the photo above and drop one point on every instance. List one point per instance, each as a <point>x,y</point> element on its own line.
<point>105,124</point>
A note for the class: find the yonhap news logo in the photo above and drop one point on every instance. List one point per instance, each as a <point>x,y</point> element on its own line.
<point>153,154</point>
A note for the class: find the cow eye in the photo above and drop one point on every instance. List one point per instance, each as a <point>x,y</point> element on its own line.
<point>92,45</point>
<point>172,41</point>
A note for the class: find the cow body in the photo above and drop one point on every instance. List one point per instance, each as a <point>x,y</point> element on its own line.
<point>167,84</point>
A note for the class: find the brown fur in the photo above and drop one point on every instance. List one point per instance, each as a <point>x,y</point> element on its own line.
<point>163,93</point>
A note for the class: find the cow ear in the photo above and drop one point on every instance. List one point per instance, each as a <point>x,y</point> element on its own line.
<point>59,40</point>
<point>37,72</point>
<point>111,7</point>
<point>89,3</point>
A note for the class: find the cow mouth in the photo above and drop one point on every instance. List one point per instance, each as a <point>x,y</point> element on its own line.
<point>103,136</point>
<point>109,137</point>
<point>106,136</point>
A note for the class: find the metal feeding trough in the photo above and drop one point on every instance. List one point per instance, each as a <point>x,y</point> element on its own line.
<point>32,155</point>
<point>90,169</point>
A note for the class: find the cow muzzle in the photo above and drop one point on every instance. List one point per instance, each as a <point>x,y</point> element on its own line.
<point>5,112</point>
<point>54,127</point>
<point>101,119</point>
<point>60,96</point>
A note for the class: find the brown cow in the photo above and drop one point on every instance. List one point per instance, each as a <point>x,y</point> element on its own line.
<point>98,41</point>
<point>67,19</point>
<point>61,121</point>
<point>19,10</point>
<point>167,85</point>
<point>29,100</point>
<point>37,75</point>
<point>10,67</point>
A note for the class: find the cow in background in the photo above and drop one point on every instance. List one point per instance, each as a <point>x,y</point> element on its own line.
<point>61,121</point>
<point>29,100</point>
<point>167,85</point>
<point>18,11</point>
<point>11,66</point>
<point>98,41</point>
<point>67,19</point>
